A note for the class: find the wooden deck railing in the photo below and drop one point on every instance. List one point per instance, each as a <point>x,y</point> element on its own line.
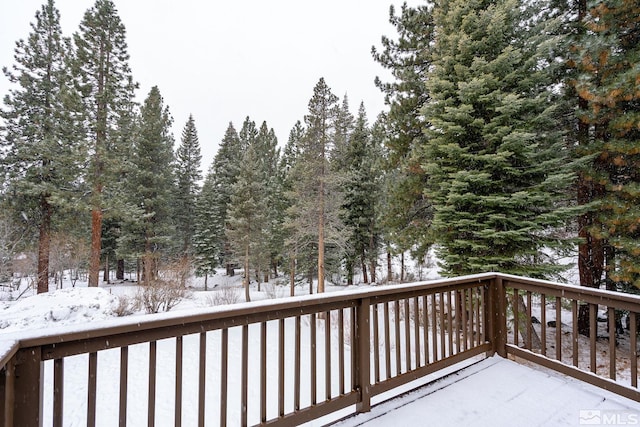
<point>315,355</point>
<point>580,331</point>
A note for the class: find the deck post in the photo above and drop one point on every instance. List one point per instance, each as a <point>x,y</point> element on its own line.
<point>7,385</point>
<point>363,359</point>
<point>497,318</point>
<point>27,409</point>
<point>501,318</point>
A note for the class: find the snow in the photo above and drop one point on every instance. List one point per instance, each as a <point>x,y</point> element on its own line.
<point>494,391</point>
<point>501,392</point>
<point>69,306</point>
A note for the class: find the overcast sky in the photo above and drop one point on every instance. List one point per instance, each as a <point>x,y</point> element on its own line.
<point>224,60</point>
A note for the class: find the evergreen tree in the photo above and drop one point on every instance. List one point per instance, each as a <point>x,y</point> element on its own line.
<point>294,241</point>
<point>247,221</point>
<point>188,176</point>
<point>107,89</point>
<point>408,213</point>
<point>317,204</point>
<point>206,240</point>
<point>379,137</point>
<point>214,202</point>
<point>607,54</point>
<point>360,198</point>
<point>268,155</point>
<point>121,206</point>
<point>344,126</point>
<point>494,157</point>
<point>42,146</point>
<point>151,184</point>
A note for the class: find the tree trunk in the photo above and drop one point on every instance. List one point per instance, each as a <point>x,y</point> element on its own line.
<point>44,244</point>
<point>365,277</point>
<point>246,280</point>
<point>373,254</point>
<point>105,275</point>
<point>120,269</point>
<point>389,269</point>
<point>524,324</point>
<point>292,274</point>
<point>231,271</point>
<point>206,277</point>
<point>321,241</point>
<point>96,245</point>
<point>402,267</point>
<point>258,274</point>
<point>591,248</point>
<point>349,271</point>
<point>373,271</point>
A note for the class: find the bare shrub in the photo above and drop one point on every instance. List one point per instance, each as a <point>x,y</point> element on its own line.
<point>67,254</point>
<point>160,295</point>
<point>227,295</point>
<point>275,290</point>
<point>179,271</point>
<point>126,305</point>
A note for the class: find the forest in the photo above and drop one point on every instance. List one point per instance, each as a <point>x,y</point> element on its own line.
<point>511,139</point>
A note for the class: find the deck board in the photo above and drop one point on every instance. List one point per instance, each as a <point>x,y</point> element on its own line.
<point>501,392</point>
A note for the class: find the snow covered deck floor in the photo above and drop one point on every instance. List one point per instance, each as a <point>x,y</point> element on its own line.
<point>501,392</point>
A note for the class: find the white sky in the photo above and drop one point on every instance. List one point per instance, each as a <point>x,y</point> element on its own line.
<point>225,60</point>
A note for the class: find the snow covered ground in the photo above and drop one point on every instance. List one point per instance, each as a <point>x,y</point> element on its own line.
<point>492,392</point>
<point>499,392</point>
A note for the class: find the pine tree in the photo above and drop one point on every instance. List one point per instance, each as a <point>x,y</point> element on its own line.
<point>268,154</point>
<point>107,89</point>
<point>408,213</point>
<point>149,233</point>
<point>607,54</point>
<point>344,125</point>
<point>188,176</point>
<point>494,157</point>
<point>206,241</point>
<point>121,207</point>
<point>247,220</point>
<point>316,209</point>
<point>42,143</point>
<point>360,198</point>
<point>294,240</point>
<point>379,137</point>
<point>214,202</point>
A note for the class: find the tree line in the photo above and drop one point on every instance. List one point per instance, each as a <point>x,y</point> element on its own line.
<point>511,138</point>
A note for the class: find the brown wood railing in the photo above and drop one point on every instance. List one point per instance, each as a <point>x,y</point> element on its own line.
<point>581,331</point>
<point>315,355</point>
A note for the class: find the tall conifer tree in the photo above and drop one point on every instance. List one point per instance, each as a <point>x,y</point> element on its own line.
<point>408,212</point>
<point>296,239</point>
<point>42,141</point>
<point>493,156</point>
<point>317,209</point>
<point>315,184</point>
<point>151,183</point>
<point>102,65</point>
<point>206,240</point>
<point>360,196</point>
<point>214,202</point>
<point>188,176</point>
<point>607,57</point>
<point>247,220</point>
<point>268,155</point>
